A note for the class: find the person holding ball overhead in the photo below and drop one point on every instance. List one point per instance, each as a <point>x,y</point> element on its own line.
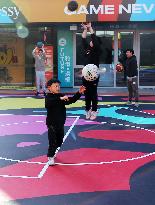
<point>40,60</point>
<point>92,53</point>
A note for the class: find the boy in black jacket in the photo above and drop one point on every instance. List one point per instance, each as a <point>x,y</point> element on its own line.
<point>132,76</point>
<point>56,115</point>
<point>92,53</point>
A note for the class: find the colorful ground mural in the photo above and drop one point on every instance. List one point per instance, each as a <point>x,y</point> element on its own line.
<point>109,161</point>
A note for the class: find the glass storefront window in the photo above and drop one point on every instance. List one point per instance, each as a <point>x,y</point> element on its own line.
<point>12,58</point>
<point>147,59</point>
<point>125,41</point>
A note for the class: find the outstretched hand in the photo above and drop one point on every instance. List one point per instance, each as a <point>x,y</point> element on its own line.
<point>82,89</point>
<point>65,98</point>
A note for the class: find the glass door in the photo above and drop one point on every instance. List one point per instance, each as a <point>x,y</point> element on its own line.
<point>147,59</point>
<point>125,41</point>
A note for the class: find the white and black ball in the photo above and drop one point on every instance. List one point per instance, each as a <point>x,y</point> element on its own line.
<point>90,72</point>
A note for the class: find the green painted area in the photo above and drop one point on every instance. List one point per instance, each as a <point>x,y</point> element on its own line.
<point>79,103</point>
<point>19,103</point>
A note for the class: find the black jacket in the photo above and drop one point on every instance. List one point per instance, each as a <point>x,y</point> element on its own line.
<point>131,66</point>
<point>56,110</point>
<point>90,84</point>
<point>92,54</point>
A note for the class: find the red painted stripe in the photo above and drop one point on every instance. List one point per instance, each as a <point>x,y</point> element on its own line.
<point>139,136</point>
<point>77,179</point>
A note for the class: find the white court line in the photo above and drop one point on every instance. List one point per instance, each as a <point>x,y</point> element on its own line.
<point>77,164</point>
<point>41,174</point>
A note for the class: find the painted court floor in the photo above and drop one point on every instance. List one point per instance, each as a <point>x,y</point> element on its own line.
<point>109,161</point>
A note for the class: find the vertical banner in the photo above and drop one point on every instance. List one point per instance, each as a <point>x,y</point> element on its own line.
<point>65,58</point>
<point>49,62</point>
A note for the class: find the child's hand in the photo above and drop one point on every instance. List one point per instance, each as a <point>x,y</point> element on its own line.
<point>82,89</point>
<point>84,26</point>
<point>64,98</point>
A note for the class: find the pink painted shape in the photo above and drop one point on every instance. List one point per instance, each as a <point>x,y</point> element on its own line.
<point>27,144</point>
<point>30,124</point>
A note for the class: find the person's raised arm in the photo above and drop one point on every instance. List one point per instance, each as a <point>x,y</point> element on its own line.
<point>34,52</point>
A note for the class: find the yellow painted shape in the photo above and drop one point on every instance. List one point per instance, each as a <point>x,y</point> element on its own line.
<point>19,103</point>
<point>48,10</point>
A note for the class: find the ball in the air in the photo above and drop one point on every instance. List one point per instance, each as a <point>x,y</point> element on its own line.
<point>72,5</point>
<point>90,72</point>
<point>40,44</point>
<point>119,68</point>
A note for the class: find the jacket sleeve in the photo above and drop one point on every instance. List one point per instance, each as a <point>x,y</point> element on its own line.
<point>52,101</point>
<point>73,99</point>
<point>95,41</point>
<point>90,83</point>
<point>84,43</point>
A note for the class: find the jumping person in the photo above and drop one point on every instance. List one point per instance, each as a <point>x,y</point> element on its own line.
<point>132,77</point>
<point>56,115</point>
<point>92,53</point>
<point>40,59</point>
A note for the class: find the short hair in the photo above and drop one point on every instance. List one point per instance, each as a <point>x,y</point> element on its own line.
<point>51,81</point>
<point>131,50</point>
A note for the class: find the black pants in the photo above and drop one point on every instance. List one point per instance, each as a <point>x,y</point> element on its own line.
<point>133,89</point>
<point>55,138</point>
<point>91,97</point>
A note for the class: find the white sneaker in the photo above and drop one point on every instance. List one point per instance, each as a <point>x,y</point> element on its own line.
<point>93,115</point>
<point>51,161</point>
<point>88,114</point>
<point>136,104</point>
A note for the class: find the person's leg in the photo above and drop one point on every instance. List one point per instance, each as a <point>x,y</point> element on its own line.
<point>94,102</point>
<point>88,103</point>
<point>52,139</point>
<point>94,98</point>
<point>38,81</point>
<point>88,99</point>
<point>43,81</point>
<point>130,90</point>
<point>135,89</point>
<point>60,135</point>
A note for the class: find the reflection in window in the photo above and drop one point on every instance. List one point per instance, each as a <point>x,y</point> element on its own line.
<point>147,59</point>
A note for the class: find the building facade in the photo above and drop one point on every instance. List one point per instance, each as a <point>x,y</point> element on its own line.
<point>120,25</point>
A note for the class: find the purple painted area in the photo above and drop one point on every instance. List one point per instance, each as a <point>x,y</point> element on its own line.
<point>70,121</point>
<point>27,144</point>
<point>21,124</point>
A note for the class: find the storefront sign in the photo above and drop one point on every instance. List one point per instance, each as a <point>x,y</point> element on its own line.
<point>25,11</point>
<point>65,58</point>
<point>49,62</point>
<point>111,9</point>
<point>10,11</point>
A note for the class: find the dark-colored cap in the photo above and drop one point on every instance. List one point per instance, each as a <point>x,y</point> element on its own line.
<point>54,80</point>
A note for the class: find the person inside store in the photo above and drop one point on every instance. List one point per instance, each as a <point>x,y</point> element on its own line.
<point>40,64</point>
